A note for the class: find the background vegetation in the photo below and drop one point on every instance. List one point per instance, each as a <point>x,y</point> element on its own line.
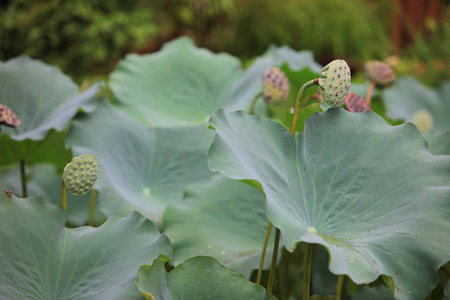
<point>87,38</point>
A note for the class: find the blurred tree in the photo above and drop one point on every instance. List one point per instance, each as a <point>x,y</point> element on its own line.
<point>78,36</point>
<point>198,19</point>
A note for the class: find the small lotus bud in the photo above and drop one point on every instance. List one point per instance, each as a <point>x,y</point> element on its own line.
<point>423,120</point>
<point>379,72</point>
<point>356,103</point>
<point>275,86</point>
<point>80,174</point>
<point>334,82</point>
<point>8,117</point>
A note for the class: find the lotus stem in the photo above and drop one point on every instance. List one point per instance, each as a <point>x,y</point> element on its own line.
<point>63,196</point>
<point>23,178</point>
<point>252,106</point>
<point>370,91</point>
<point>263,253</point>
<point>92,199</point>
<point>273,266</point>
<point>298,101</point>
<point>307,271</point>
<point>339,286</point>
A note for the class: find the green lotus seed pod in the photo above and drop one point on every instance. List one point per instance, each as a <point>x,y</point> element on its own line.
<point>423,120</point>
<point>8,117</point>
<point>334,82</point>
<point>80,174</point>
<point>379,72</point>
<point>275,86</point>
<point>356,103</point>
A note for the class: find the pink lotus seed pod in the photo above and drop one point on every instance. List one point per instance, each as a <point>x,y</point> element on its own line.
<point>355,103</point>
<point>334,82</point>
<point>275,86</point>
<point>379,72</point>
<point>8,117</point>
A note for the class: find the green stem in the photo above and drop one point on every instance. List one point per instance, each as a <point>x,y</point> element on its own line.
<point>63,196</point>
<point>339,286</point>
<point>23,178</point>
<point>263,253</point>
<point>369,92</point>
<point>298,101</point>
<point>273,266</point>
<point>307,271</point>
<point>92,199</point>
<point>252,106</point>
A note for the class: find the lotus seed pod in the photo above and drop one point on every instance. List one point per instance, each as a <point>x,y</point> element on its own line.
<point>356,103</point>
<point>379,72</point>
<point>8,117</point>
<point>423,120</point>
<point>275,86</point>
<point>334,82</point>
<point>80,174</point>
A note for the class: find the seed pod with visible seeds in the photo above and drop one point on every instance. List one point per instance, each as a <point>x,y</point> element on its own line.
<point>8,117</point>
<point>81,173</point>
<point>334,82</point>
<point>379,72</point>
<point>275,86</point>
<point>356,103</point>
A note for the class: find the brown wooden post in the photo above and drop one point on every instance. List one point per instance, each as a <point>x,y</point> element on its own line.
<point>410,17</point>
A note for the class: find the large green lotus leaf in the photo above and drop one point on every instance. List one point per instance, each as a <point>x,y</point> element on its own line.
<point>409,95</point>
<point>45,181</point>
<point>41,96</point>
<point>225,219</point>
<point>140,169</point>
<point>200,278</point>
<point>179,85</point>
<point>183,85</point>
<point>371,193</point>
<point>41,259</point>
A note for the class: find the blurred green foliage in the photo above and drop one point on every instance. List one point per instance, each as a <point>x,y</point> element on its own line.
<point>429,56</point>
<point>356,29</point>
<point>87,38</point>
<point>78,36</point>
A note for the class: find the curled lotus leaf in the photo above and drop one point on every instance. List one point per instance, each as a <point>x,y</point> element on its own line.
<point>372,194</point>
